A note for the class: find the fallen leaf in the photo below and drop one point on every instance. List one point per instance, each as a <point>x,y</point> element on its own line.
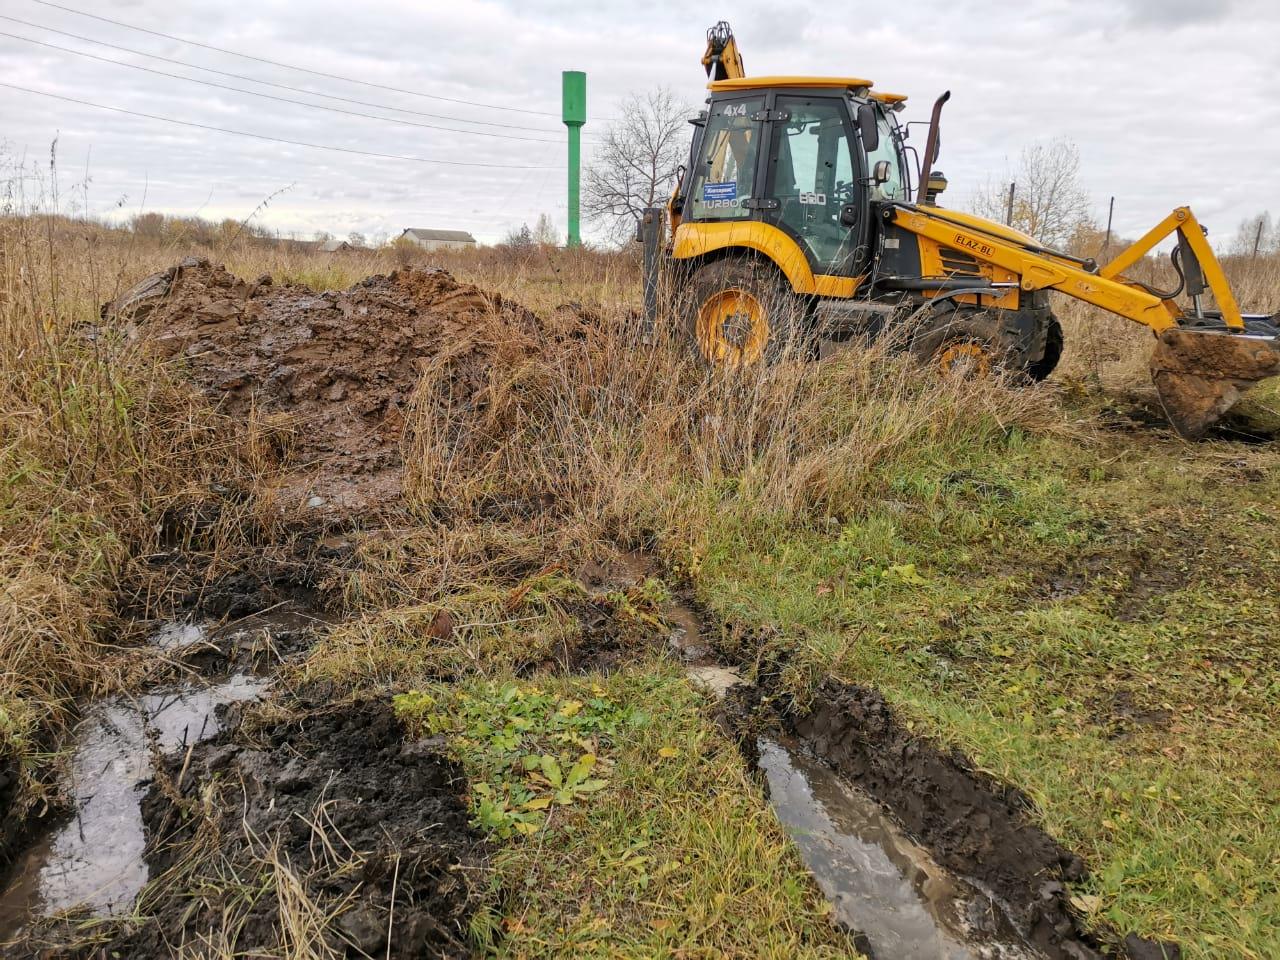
<point>1087,903</point>
<point>442,625</point>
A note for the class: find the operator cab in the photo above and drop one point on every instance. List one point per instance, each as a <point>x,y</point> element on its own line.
<point>809,156</point>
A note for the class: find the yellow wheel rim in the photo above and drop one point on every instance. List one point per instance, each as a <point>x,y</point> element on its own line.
<point>968,360</point>
<point>732,328</point>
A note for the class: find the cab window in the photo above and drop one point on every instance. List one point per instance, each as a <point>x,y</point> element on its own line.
<point>812,175</point>
<point>894,188</point>
<point>724,176</point>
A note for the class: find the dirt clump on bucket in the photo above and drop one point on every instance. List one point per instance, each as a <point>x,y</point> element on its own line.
<point>336,371</point>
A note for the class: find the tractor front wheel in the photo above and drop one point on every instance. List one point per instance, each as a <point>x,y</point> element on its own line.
<point>737,313</point>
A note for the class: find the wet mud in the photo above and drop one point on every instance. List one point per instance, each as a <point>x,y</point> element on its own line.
<point>330,810</point>
<point>83,857</point>
<point>974,826</point>
<point>327,812</point>
<point>883,887</point>
<point>94,860</point>
<point>333,374</point>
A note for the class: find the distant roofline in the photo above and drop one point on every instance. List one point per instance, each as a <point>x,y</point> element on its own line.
<point>432,233</point>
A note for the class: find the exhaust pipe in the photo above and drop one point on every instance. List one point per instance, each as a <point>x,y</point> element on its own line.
<point>931,146</point>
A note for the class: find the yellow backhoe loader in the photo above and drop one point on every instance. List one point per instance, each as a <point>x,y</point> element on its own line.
<point>794,222</point>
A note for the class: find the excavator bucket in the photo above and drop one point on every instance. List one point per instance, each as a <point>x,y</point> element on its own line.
<point>1200,374</point>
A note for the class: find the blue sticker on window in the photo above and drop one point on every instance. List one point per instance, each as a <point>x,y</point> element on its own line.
<point>720,191</point>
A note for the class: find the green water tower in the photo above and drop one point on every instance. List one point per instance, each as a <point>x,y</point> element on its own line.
<point>574,114</point>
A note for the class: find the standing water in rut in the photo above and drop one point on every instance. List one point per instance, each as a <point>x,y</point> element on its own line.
<point>886,888</point>
<point>881,884</point>
<point>95,859</point>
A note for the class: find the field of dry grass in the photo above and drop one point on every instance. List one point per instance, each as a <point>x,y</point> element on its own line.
<point>810,509</point>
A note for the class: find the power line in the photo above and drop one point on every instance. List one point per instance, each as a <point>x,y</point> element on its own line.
<point>260,136</point>
<point>269,83</point>
<point>288,66</point>
<point>270,96</point>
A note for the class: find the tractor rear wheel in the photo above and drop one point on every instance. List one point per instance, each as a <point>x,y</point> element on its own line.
<point>979,343</point>
<point>738,312</point>
<point>966,358</point>
<point>961,343</point>
<point>1053,342</point>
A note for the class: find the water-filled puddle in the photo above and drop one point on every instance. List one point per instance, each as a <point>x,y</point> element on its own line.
<point>95,859</point>
<point>880,883</point>
<point>882,886</point>
<point>178,634</point>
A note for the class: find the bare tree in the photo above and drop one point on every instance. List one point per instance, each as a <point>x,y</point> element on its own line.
<point>520,239</point>
<point>635,163</point>
<point>1256,233</point>
<point>1049,201</point>
<point>545,233</point>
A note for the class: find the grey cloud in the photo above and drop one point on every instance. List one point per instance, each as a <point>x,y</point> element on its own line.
<point>1177,13</point>
<point>1089,70</point>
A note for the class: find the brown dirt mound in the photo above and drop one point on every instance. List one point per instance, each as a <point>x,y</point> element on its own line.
<point>339,367</point>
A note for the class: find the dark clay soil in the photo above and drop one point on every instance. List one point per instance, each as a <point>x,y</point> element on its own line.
<point>973,825</point>
<point>357,814</point>
<point>336,370</point>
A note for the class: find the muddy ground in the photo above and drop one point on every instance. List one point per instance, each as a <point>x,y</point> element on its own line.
<point>334,800</point>
<point>334,373</point>
<point>297,805</point>
<point>330,800</point>
<point>974,826</point>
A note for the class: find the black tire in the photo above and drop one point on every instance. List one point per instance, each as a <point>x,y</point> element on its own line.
<point>747,293</point>
<point>1040,369</point>
<point>959,329</point>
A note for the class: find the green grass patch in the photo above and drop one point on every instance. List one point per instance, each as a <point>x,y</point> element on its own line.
<point>1095,625</point>
<point>630,826</point>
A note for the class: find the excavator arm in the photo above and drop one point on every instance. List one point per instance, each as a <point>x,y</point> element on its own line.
<point>1203,360</point>
<point>722,62</point>
<point>722,59</point>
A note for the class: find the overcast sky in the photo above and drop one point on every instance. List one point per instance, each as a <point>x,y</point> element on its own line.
<point>1169,101</point>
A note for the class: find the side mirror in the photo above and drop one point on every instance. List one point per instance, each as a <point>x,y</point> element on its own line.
<point>867,127</point>
<point>881,171</point>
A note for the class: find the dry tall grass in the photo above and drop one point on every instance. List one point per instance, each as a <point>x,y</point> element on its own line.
<point>620,438</point>
<point>98,445</point>
<point>621,433</point>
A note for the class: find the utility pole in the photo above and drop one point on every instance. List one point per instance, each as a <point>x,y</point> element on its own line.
<point>574,114</point>
<point>1257,239</point>
<point>1106,244</point>
<point>1008,208</point>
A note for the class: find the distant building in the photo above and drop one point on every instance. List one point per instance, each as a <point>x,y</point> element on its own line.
<point>335,246</point>
<point>438,239</point>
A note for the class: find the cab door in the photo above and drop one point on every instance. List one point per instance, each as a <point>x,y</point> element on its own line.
<point>813,184</point>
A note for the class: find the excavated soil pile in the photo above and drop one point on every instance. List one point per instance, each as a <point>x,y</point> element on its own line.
<point>339,367</point>
<point>339,807</point>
